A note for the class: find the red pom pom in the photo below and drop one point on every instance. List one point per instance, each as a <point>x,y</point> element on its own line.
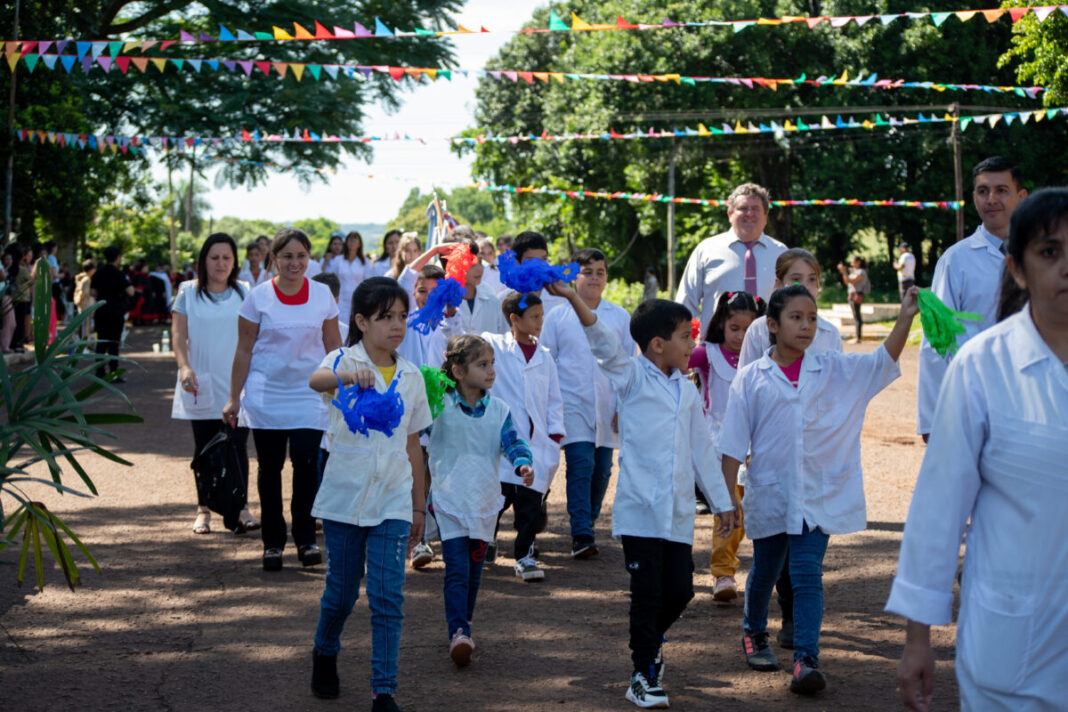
<point>458,260</point>
<point>695,329</point>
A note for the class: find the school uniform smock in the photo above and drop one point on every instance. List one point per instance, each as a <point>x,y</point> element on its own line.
<point>211,325</point>
<point>967,278</point>
<point>466,443</point>
<point>288,349</point>
<point>717,374</point>
<point>491,279</point>
<point>758,340</point>
<point>590,407</point>
<point>483,313</point>
<point>531,390</point>
<point>423,349</point>
<point>717,265</point>
<point>665,444</point>
<point>265,276</point>
<point>996,456</point>
<point>368,478</point>
<point>805,441</point>
<point>378,268</point>
<point>350,274</point>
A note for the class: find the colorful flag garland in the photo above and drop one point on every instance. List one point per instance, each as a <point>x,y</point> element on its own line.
<point>714,202</point>
<point>319,72</point>
<point>359,31</point>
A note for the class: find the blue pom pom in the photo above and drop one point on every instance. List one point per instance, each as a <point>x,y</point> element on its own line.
<point>533,274</point>
<point>448,293</point>
<point>365,409</point>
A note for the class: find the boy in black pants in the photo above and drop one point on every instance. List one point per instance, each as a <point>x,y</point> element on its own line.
<point>664,447</point>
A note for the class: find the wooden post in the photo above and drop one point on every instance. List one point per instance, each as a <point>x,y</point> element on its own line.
<point>671,222</point>
<point>170,220</point>
<point>958,170</point>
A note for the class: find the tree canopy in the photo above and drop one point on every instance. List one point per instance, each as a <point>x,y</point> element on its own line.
<point>914,162</point>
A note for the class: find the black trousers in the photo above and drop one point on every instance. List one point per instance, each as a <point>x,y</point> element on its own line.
<point>108,336</point>
<point>203,432</point>
<point>526,503</point>
<point>271,455</point>
<point>20,337</point>
<point>858,323</point>
<point>661,585</point>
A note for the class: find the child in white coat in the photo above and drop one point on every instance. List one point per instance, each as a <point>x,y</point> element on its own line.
<point>665,447</point>
<point>798,416</point>
<point>527,382</point>
<point>466,443</point>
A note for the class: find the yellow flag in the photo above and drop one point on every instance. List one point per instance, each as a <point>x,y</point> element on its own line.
<point>280,34</point>
<point>578,23</point>
<point>160,62</point>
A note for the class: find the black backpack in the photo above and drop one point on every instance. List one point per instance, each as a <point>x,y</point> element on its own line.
<point>220,482</point>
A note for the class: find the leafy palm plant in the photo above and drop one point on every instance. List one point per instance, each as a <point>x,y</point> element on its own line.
<point>48,422</point>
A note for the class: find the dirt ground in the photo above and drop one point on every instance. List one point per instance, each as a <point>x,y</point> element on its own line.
<point>183,622</point>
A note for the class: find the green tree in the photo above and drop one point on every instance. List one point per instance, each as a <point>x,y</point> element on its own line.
<point>1041,48</point>
<point>911,162</point>
<point>318,231</point>
<point>468,206</point>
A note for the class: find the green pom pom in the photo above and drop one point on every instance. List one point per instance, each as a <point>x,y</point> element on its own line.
<point>941,325</point>
<point>436,384</point>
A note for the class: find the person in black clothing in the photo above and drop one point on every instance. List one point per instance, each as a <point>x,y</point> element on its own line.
<point>111,286</point>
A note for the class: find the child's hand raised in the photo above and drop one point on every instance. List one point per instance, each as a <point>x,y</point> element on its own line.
<point>527,473</point>
<point>910,305</point>
<point>559,289</point>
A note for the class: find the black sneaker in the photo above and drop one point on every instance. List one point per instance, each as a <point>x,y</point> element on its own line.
<point>645,692</point>
<point>807,678</point>
<point>583,547</point>
<point>324,683</point>
<point>384,703</point>
<point>786,635</point>
<point>272,559</point>
<point>758,653</point>
<point>310,555</point>
<point>491,552</point>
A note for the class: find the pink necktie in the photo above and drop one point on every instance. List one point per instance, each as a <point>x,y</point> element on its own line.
<point>750,269</point>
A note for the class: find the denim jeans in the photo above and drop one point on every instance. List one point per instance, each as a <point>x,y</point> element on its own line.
<point>463,558</point>
<point>588,470</point>
<point>806,575</point>
<point>384,548</point>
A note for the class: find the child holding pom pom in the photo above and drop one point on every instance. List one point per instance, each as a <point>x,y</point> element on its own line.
<point>466,443</point>
<point>371,499</point>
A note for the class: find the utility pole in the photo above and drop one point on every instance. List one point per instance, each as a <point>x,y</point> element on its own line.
<point>11,141</point>
<point>671,221</point>
<point>958,170</point>
<point>170,216</point>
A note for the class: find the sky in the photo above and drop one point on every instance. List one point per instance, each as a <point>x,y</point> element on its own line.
<point>430,110</point>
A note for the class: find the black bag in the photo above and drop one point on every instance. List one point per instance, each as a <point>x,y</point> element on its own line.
<point>220,483</point>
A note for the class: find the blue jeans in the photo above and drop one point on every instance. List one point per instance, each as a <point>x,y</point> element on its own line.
<point>463,558</point>
<point>384,548</point>
<point>806,574</point>
<point>588,470</point>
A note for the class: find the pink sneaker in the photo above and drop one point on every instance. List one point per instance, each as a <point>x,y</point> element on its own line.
<point>461,648</point>
<point>725,589</point>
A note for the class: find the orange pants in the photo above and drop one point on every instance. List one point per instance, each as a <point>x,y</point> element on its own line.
<point>725,550</point>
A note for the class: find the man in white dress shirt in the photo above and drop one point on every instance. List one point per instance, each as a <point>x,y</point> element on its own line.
<point>967,276</point>
<point>905,266</point>
<point>741,259</point>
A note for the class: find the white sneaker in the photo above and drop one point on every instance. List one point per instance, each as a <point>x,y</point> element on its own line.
<point>527,569</point>
<point>461,648</point>
<point>646,694</point>
<point>422,555</point>
<point>725,589</point>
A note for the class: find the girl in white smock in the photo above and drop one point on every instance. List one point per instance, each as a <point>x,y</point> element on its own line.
<point>351,268</point>
<point>466,443</point>
<point>996,457</point>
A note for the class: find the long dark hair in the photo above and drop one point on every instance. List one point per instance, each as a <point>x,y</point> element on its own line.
<point>385,256</point>
<point>359,250</point>
<point>729,304</point>
<point>778,301</point>
<point>217,238</point>
<point>1038,215</point>
<point>373,298</point>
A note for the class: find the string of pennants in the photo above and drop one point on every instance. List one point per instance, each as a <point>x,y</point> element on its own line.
<point>556,24</point>
<point>90,55</point>
<point>713,202</point>
<point>124,143</point>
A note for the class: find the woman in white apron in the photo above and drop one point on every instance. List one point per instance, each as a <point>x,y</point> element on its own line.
<point>205,337</point>
<point>285,328</point>
<point>996,456</point>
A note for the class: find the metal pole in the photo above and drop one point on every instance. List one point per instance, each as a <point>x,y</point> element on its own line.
<point>11,139</point>
<point>958,170</point>
<point>170,217</point>
<point>671,221</point>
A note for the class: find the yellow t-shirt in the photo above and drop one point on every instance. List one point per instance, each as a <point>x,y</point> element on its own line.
<point>387,372</point>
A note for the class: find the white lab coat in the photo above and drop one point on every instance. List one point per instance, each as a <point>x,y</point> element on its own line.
<point>591,401</point>
<point>715,388</point>
<point>665,446</point>
<point>996,456</point>
<point>265,276</point>
<point>423,349</point>
<point>717,265</point>
<point>368,478</point>
<point>531,390</point>
<point>804,441</point>
<point>486,315</point>
<point>758,340</point>
<point>350,274</point>
<point>967,278</point>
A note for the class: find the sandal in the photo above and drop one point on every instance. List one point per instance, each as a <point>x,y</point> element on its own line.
<point>272,560</point>
<point>202,525</point>
<point>250,523</point>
